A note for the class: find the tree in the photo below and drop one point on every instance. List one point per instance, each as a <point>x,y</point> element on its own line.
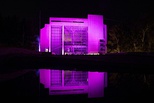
<point>10,32</point>
<point>142,34</point>
<point>119,39</point>
<point>137,36</point>
<point>16,32</point>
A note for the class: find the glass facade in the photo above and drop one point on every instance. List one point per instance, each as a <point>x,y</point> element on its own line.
<point>56,77</point>
<point>56,39</point>
<point>75,78</point>
<point>76,39</point>
<point>71,78</point>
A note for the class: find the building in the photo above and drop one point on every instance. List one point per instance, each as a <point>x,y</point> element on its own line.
<point>74,36</point>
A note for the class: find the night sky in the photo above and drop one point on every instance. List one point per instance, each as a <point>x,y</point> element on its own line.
<point>112,10</point>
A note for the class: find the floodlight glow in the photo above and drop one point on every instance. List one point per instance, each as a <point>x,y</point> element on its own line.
<point>77,36</point>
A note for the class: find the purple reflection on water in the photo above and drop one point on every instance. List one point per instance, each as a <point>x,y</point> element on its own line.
<point>62,82</point>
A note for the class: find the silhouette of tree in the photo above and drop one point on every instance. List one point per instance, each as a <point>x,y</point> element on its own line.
<point>136,36</point>
<point>16,32</point>
<point>119,39</point>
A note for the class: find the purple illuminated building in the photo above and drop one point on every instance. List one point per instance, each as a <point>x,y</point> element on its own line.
<point>74,36</point>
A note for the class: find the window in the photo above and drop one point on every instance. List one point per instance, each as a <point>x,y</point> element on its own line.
<point>75,78</point>
<point>56,39</point>
<point>76,39</point>
<point>71,78</point>
<point>56,77</point>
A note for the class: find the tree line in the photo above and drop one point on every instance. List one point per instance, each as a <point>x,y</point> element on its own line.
<point>131,36</point>
<point>17,32</point>
<point>135,36</point>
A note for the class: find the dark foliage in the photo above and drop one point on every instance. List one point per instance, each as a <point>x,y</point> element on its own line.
<point>16,32</point>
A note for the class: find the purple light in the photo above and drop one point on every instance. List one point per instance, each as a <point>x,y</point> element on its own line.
<point>60,82</point>
<point>95,84</point>
<point>62,34</point>
<point>95,32</point>
<point>45,77</point>
<point>74,36</point>
<point>44,38</point>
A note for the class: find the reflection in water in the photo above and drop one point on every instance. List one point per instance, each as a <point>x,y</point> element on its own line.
<point>75,78</point>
